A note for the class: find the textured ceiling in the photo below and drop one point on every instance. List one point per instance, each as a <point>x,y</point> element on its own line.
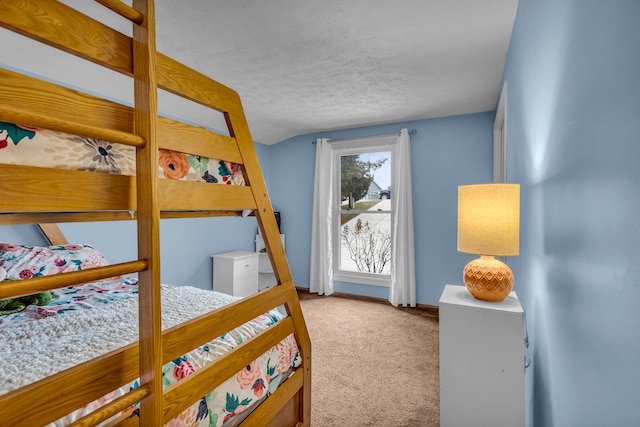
<point>302,66</point>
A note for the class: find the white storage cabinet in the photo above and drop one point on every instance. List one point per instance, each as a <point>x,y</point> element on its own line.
<point>481,360</point>
<point>235,273</point>
<point>266,277</point>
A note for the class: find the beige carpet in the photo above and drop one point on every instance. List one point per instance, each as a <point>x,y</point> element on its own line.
<point>373,364</point>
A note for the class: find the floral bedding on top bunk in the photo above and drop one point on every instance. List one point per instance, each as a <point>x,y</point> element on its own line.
<point>29,146</point>
<point>79,323</point>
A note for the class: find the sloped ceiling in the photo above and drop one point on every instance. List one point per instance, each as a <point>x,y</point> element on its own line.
<point>302,66</point>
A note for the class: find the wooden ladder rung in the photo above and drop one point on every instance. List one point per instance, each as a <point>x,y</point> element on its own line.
<point>112,408</point>
<point>123,10</point>
<point>12,115</point>
<point>16,288</point>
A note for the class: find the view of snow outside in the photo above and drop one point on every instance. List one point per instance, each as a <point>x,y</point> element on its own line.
<point>370,244</point>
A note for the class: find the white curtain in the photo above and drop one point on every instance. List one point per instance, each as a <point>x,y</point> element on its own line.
<point>403,269</point>
<point>321,276</point>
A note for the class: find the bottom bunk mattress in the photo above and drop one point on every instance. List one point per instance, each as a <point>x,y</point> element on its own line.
<point>82,322</point>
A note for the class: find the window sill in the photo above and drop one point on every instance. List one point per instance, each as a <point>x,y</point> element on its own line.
<point>362,278</point>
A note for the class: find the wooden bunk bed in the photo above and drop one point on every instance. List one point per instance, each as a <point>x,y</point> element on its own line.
<point>38,195</point>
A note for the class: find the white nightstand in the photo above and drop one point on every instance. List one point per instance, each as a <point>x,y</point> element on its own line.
<point>481,360</point>
<point>235,273</point>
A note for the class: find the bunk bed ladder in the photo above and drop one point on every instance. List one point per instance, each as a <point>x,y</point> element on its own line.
<point>239,129</point>
<point>148,210</point>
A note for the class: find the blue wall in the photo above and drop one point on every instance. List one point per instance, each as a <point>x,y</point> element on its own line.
<point>573,115</point>
<point>446,152</point>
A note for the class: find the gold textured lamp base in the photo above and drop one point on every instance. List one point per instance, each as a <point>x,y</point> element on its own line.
<point>488,279</point>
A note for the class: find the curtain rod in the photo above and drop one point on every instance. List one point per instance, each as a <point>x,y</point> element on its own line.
<point>410,131</point>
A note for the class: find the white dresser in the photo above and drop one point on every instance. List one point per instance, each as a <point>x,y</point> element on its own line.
<point>481,360</point>
<point>235,273</point>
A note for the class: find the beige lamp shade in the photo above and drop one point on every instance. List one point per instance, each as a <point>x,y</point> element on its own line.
<point>489,219</point>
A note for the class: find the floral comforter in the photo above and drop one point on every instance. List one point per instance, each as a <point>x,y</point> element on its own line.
<point>84,321</point>
<point>29,146</point>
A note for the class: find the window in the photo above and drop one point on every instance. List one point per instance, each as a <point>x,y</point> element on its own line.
<point>362,229</point>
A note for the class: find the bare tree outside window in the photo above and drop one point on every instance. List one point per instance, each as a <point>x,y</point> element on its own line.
<point>369,248</point>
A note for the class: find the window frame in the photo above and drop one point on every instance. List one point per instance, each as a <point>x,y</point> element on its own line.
<point>500,138</point>
<point>347,147</point>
